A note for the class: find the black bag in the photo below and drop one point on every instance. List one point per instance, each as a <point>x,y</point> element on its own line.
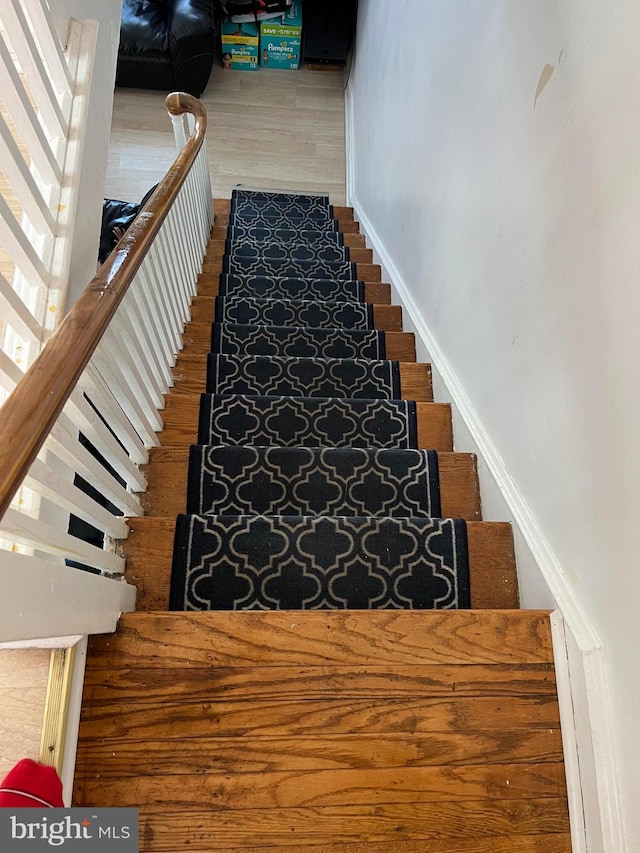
<point>117,214</point>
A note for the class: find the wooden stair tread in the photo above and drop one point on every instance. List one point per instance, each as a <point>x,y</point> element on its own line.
<point>168,468</point>
<point>311,826</point>
<point>386,318</point>
<point>375,291</point>
<point>190,372</point>
<point>313,637</point>
<point>194,715</point>
<point>221,738</point>
<point>286,789</point>
<point>493,579</point>
<point>556,843</point>
<point>180,415</point>
<point>318,718</point>
<point>121,757</point>
<point>400,346</point>
<point>217,249</point>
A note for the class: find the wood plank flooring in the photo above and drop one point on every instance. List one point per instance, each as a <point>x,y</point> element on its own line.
<point>271,128</point>
<point>24,674</point>
<point>383,728</point>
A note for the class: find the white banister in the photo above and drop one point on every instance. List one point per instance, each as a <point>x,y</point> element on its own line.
<point>44,480</point>
<point>49,44</point>
<point>25,117</point>
<point>17,314</point>
<point>36,72</point>
<point>50,540</point>
<point>20,247</point>
<point>89,465</point>
<point>23,183</point>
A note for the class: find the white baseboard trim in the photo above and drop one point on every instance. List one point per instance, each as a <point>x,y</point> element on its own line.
<point>73,720</point>
<point>569,735</point>
<point>349,145</point>
<point>591,767</point>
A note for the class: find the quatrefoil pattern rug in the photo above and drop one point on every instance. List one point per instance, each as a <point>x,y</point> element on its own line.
<point>306,421</point>
<point>298,341</point>
<point>293,312</point>
<point>307,488</point>
<point>319,563</point>
<point>312,481</point>
<point>303,377</point>
<point>291,287</point>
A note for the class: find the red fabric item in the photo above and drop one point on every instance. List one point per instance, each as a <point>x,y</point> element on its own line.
<point>31,785</point>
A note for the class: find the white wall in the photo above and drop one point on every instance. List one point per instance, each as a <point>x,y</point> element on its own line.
<point>495,161</point>
<point>87,224</point>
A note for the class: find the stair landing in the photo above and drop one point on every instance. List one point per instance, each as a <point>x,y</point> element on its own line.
<point>328,731</point>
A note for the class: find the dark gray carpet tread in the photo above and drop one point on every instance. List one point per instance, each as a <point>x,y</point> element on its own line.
<point>305,342</point>
<point>307,421</point>
<point>283,198</point>
<point>318,563</point>
<point>293,312</point>
<point>291,287</point>
<point>316,252</point>
<point>289,267</point>
<point>280,219</point>
<point>303,377</point>
<point>283,235</point>
<point>225,480</point>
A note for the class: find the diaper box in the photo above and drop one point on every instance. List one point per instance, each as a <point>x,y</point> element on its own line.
<point>281,40</point>
<point>240,45</point>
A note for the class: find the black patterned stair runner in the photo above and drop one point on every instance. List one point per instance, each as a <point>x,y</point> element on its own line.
<point>291,287</point>
<point>293,312</point>
<point>306,421</point>
<point>252,480</point>
<point>306,489</point>
<point>287,267</point>
<point>278,218</point>
<point>291,236</point>
<point>301,341</point>
<point>303,377</point>
<point>275,562</point>
<point>277,251</point>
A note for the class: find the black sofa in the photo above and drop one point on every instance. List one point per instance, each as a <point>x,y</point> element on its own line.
<point>167,44</point>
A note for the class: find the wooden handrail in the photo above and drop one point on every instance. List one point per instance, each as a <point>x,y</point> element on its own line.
<point>31,410</point>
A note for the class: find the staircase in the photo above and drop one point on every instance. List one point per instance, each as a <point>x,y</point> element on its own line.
<point>324,685</point>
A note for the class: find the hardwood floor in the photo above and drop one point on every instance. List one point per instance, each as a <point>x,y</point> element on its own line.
<point>411,731</point>
<point>269,128</point>
<point>24,674</point>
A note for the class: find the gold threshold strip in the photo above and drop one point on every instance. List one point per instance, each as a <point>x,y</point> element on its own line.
<point>56,708</point>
